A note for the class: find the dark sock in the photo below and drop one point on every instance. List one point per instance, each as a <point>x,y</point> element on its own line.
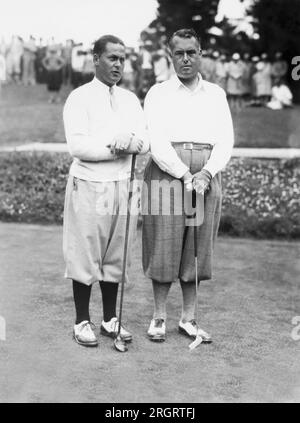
<point>109,299</point>
<point>82,295</point>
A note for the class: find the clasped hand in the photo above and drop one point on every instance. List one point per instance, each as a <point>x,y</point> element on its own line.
<point>200,181</point>
<point>125,143</point>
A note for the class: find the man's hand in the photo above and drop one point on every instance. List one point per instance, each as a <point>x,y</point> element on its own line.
<point>120,143</point>
<point>135,147</point>
<point>124,144</point>
<point>201,181</point>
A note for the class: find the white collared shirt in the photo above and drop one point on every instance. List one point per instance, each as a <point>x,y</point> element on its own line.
<point>174,113</point>
<point>91,124</point>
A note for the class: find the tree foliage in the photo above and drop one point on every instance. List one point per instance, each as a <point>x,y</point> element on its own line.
<point>197,14</point>
<point>278,24</point>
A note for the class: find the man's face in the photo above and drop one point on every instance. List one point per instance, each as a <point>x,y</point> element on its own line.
<point>186,55</point>
<point>110,64</point>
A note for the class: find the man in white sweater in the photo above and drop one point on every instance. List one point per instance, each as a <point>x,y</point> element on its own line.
<point>104,126</point>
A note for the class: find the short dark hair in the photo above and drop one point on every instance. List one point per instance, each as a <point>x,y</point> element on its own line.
<point>100,44</point>
<point>184,33</point>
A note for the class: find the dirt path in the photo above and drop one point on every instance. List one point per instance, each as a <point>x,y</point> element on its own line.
<point>248,308</point>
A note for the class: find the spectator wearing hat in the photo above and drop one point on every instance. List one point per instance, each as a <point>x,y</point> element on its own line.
<point>67,55</point>
<point>53,64</point>
<point>202,65</point>
<point>263,80</point>
<point>254,99</point>
<point>29,56</point>
<point>40,71</point>
<point>279,68</point>
<point>221,71</point>
<point>234,82</point>
<point>161,66</point>
<point>77,61</point>
<point>88,68</point>
<point>128,78</point>
<point>247,67</point>
<point>208,66</point>
<point>146,70</point>
<point>14,58</point>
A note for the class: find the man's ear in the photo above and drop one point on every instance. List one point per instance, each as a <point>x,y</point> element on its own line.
<point>169,52</point>
<point>96,59</point>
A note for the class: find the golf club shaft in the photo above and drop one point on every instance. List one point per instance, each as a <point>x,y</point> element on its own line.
<point>196,272</point>
<point>196,257</point>
<point>126,239</point>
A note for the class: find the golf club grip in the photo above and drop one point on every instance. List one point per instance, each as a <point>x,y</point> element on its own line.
<point>194,199</point>
<point>133,161</point>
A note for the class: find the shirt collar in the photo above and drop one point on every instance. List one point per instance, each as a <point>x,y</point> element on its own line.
<point>101,85</point>
<point>178,84</point>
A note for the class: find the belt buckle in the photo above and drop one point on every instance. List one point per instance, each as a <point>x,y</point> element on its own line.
<point>188,146</point>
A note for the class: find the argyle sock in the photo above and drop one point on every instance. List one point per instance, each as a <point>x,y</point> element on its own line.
<point>81,293</point>
<point>109,292</point>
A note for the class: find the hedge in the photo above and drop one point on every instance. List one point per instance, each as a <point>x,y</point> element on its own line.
<point>261,197</point>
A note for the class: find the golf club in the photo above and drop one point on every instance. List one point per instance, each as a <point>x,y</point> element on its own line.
<point>198,338</point>
<point>119,343</point>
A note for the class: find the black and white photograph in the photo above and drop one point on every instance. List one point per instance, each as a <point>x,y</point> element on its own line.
<point>150,204</point>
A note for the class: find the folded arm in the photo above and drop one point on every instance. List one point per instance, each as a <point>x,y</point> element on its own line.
<point>80,144</point>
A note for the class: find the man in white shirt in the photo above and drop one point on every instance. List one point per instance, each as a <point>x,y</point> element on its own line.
<point>104,126</point>
<point>191,139</point>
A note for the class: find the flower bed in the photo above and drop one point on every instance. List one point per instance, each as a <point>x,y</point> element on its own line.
<point>261,197</point>
<point>32,187</point>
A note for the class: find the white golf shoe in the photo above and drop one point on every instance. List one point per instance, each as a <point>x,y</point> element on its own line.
<point>111,329</point>
<point>84,335</point>
<point>157,330</point>
<point>192,330</point>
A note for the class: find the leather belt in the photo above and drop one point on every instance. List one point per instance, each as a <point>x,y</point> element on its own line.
<point>192,146</point>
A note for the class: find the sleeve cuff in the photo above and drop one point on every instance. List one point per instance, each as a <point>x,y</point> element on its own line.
<point>210,170</point>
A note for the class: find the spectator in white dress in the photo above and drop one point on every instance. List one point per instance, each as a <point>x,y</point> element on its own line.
<point>281,96</point>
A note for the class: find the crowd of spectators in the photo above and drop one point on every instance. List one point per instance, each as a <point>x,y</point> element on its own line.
<point>248,81</point>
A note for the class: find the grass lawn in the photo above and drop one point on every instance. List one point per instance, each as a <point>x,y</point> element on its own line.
<point>248,308</point>
<point>25,116</point>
